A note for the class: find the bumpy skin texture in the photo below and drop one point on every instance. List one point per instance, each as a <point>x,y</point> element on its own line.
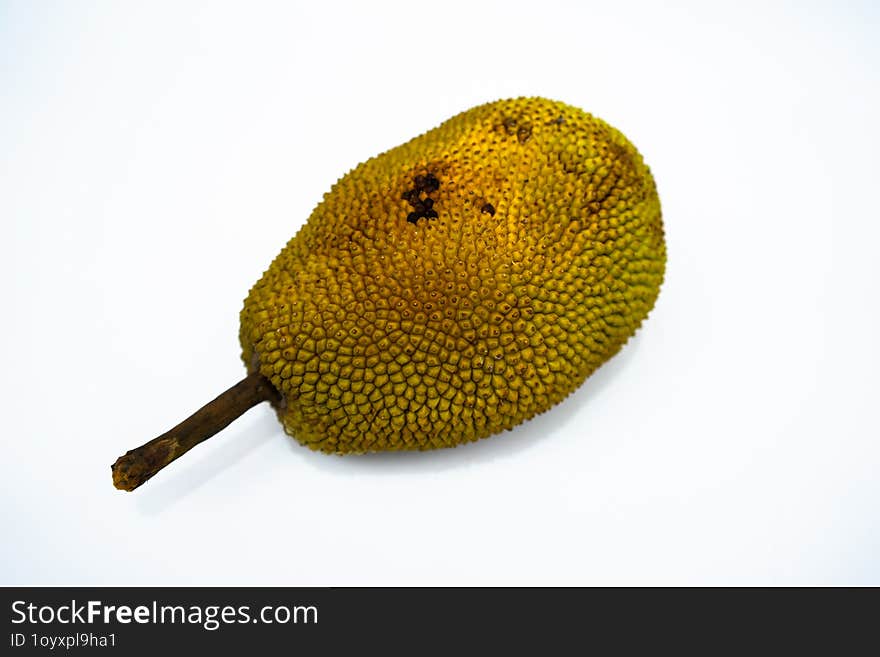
<point>461,283</point>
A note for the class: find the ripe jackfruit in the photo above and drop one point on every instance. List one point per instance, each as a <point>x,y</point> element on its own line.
<point>447,289</point>
<point>461,283</point>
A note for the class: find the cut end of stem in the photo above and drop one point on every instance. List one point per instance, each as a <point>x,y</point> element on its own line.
<point>137,465</point>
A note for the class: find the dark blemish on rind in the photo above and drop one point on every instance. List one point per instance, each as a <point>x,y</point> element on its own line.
<point>559,120</point>
<point>431,183</point>
<point>427,183</point>
<point>488,209</point>
<point>422,207</point>
<point>512,126</point>
<point>413,217</point>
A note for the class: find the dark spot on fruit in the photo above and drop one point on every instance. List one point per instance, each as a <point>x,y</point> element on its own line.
<point>513,126</point>
<point>488,208</point>
<point>422,205</point>
<point>431,183</point>
<point>427,183</point>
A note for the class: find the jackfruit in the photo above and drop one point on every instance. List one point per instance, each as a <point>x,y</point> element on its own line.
<point>459,284</point>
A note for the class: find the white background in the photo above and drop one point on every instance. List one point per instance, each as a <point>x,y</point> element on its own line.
<point>154,158</point>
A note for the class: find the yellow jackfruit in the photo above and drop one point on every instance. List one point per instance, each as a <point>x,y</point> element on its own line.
<point>447,289</point>
<point>461,283</point>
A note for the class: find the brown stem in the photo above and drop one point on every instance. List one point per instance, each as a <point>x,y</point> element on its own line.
<point>137,465</point>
